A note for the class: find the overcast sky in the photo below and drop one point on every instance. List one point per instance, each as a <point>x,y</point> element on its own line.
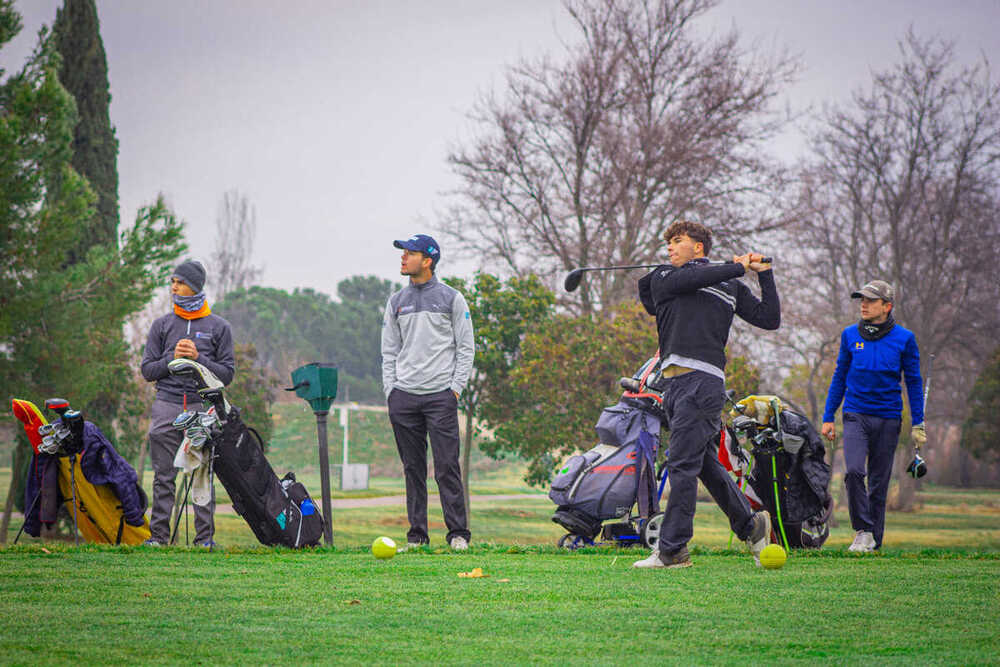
<point>334,117</point>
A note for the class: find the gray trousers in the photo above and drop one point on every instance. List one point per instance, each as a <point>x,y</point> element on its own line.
<point>693,404</point>
<point>164,441</point>
<point>414,417</point>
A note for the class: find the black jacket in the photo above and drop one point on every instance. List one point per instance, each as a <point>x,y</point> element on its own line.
<point>694,306</point>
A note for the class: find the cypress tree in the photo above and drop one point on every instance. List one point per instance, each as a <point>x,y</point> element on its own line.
<point>84,73</point>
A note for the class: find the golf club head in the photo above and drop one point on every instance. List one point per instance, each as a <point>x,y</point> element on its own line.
<point>57,405</point>
<point>917,467</point>
<point>573,279</point>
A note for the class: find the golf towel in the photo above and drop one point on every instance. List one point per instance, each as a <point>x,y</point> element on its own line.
<point>191,461</point>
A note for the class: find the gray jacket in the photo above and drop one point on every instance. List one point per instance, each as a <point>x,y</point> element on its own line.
<point>213,338</point>
<point>427,340</point>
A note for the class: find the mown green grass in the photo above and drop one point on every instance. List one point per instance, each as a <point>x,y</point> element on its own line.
<point>537,606</point>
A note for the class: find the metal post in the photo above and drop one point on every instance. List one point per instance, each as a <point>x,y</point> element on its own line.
<point>344,416</point>
<point>324,476</point>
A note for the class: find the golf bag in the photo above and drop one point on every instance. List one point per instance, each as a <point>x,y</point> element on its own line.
<point>607,481</point>
<point>278,511</point>
<point>787,473</point>
<point>75,465</point>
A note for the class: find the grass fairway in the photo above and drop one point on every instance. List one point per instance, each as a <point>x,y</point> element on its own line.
<point>537,606</point>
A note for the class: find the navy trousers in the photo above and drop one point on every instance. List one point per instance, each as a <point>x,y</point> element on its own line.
<point>693,404</point>
<point>869,448</point>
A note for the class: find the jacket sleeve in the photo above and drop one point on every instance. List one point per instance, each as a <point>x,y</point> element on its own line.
<point>646,291</point>
<point>764,312</point>
<point>223,366</point>
<point>391,343</point>
<point>465,343</point>
<point>154,357</point>
<point>838,384</point>
<point>692,277</point>
<point>914,383</point>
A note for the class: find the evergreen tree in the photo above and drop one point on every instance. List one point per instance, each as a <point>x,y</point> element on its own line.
<point>60,321</point>
<point>84,73</point>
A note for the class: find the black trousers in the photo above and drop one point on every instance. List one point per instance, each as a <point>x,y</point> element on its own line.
<point>414,417</point>
<point>869,448</point>
<point>693,404</point>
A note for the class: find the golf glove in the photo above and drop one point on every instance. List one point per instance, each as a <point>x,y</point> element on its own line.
<point>918,435</point>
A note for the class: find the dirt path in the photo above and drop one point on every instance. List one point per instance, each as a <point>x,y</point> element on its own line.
<point>386,501</point>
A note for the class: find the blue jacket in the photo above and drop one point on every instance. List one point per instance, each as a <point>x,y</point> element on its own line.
<point>867,377</point>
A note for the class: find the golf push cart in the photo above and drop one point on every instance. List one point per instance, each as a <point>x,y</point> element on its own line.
<point>774,454</point>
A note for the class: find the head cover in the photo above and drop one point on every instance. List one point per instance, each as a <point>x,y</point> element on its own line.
<point>876,289</point>
<point>192,273</point>
<point>917,467</point>
<point>421,243</point>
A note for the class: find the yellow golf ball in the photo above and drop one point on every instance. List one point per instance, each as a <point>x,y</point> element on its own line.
<point>383,547</point>
<point>773,556</point>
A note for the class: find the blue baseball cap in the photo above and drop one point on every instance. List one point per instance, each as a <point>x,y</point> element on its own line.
<point>421,243</point>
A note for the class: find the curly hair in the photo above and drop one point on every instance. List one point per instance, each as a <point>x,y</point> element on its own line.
<point>696,232</point>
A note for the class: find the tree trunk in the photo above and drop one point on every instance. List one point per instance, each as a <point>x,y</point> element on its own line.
<point>15,482</point>
<point>465,462</point>
<point>141,464</point>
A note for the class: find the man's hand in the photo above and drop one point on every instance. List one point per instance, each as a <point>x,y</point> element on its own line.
<point>456,395</point>
<point>919,435</point>
<point>756,264</point>
<point>744,260</point>
<point>829,430</point>
<point>185,348</point>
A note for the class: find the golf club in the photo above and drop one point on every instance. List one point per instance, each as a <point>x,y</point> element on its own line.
<point>574,277</point>
<point>918,467</point>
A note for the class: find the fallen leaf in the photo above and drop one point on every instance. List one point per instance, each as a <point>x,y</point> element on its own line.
<point>44,550</point>
<point>147,595</point>
<point>353,601</point>
<point>503,581</point>
<point>476,573</point>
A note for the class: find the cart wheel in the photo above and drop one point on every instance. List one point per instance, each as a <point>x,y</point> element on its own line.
<point>651,532</point>
<point>571,541</point>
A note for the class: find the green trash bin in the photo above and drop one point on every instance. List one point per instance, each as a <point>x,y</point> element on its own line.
<point>316,383</point>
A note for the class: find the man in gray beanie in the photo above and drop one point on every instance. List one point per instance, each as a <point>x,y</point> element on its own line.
<point>190,331</point>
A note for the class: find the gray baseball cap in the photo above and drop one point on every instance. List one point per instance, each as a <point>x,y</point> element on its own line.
<point>876,289</point>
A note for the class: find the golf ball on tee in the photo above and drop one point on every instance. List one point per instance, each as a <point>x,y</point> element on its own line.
<point>384,547</point>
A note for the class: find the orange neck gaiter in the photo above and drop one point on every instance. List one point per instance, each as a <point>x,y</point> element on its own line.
<point>193,315</point>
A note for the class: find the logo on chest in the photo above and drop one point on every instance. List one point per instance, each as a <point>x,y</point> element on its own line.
<point>858,346</point>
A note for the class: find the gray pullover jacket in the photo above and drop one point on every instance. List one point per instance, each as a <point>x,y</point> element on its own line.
<point>213,338</point>
<point>427,340</point>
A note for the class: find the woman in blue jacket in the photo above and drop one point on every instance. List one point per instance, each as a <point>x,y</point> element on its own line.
<point>874,354</point>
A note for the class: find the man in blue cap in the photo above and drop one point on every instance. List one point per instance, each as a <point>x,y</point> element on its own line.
<point>427,353</point>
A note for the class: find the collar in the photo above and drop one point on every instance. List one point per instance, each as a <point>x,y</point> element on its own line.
<point>432,281</point>
<point>871,331</point>
<point>193,315</point>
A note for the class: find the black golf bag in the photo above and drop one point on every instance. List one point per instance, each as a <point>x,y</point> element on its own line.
<point>278,511</point>
<point>790,477</point>
<point>608,480</point>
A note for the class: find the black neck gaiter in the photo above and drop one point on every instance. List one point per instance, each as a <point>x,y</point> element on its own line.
<point>871,331</point>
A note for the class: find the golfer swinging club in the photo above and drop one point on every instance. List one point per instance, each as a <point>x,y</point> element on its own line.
<point>694,303</point>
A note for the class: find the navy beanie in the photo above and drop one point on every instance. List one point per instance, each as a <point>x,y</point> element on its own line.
<point>192,273</point>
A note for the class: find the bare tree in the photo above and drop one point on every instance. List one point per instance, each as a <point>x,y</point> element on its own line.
<point>235,232</point>
<point>588,159</point>
<point>903,186</point>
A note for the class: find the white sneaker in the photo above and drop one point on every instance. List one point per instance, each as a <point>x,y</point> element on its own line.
<point>459,543</point>
<point>679,559</point>
<point>864,542</point>
<point>760,534</point>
